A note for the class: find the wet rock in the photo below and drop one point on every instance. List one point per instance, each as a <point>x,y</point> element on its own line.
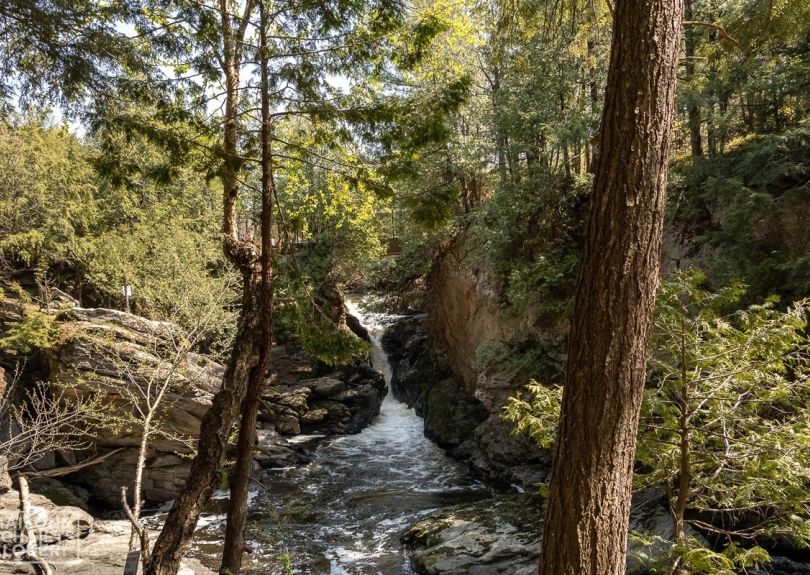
<point>275,451</point>
<point>287,424</point>
<point>501,536</point>
<point>492,537</point>
<point>459,363</point>
<point>454,418</point>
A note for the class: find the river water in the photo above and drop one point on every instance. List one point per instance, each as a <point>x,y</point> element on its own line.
<point>342,513</point>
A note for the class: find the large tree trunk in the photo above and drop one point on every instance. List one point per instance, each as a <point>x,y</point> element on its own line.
<point>591,484</point>
<point>244,363</point>
<point>241,473</point>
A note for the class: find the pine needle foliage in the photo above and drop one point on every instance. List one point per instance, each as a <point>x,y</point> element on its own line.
<point>726,406</point>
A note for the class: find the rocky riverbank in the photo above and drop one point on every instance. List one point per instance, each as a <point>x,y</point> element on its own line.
<point>501,536</point>
<point>121,355</point>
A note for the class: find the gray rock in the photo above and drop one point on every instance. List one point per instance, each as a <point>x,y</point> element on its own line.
<point>60,493</point>
<point>325,386</point>
<point>112,351</point>
<point>493,537</point>
<point>103,552</point>
<point>287,424</point>
<point>501,536</point>
<point>274,450</point>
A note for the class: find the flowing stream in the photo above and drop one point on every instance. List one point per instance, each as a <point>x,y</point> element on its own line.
<point>342,513</point>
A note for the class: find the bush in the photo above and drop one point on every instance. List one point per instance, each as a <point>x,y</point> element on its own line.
<point>36,331</point>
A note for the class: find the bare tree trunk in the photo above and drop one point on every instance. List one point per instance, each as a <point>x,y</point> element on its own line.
<point>695,139</point>
<point>684,464</point>
<point>139,535</point>
<point>26,530</point>
<point>591,483</point>
<point>240,475</point>
<point>244,361</point>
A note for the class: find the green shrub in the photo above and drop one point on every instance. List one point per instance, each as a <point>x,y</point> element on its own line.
<point>36,331</point>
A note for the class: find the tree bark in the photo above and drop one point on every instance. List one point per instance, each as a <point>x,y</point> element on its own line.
<point>244,362</point>
<point>240,475</point>
<point>588,506</point>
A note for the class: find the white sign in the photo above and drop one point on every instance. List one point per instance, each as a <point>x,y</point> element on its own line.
<point>126,291</point>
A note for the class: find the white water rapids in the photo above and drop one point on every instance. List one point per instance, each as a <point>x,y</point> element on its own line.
<point>342,513</point>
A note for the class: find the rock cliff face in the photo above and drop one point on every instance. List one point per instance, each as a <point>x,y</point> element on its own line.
<point>461,361</point>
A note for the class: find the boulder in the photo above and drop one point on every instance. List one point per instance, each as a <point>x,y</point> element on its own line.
<point>492,537</point>
<point>324,386</point>
<point>114,352</point>
<point>287,424</point>
<point>275,451</point>
<point>343,399</point>
<point>103,552</point>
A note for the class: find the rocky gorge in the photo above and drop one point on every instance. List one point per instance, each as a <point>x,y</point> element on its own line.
<point>344,483</point>
<point>460,360</point>
<point>457,361</point>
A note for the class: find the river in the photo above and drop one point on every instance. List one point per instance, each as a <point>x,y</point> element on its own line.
<point>342,513</point>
